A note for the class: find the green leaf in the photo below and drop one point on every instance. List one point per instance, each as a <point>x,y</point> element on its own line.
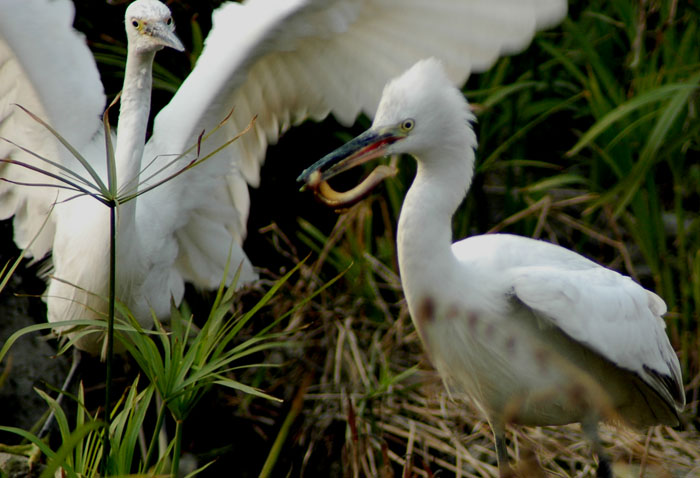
<point>625,109</point>
<point>246,389</point>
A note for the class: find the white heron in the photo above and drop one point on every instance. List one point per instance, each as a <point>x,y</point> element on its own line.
<point>534,333</point>
<point>282,60</point>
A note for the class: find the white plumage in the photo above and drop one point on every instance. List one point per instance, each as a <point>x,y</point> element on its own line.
<point>534,333</point>
<point>282,60</point>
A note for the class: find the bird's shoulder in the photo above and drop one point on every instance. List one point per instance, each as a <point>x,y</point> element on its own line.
<point>597,307</point>
<point>505,251</point>
<point>558,281</point>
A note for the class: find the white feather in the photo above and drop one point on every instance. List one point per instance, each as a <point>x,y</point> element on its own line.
<point>280,60</point>
<point>32,38</point>
<point>534,333</point>
<point>285,61</point>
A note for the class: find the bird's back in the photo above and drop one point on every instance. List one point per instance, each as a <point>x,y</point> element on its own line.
<point>544,336</point>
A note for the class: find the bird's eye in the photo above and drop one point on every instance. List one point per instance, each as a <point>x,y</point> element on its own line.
<point>407,125</point>
<point>135,23</point>
<point>169,21</point>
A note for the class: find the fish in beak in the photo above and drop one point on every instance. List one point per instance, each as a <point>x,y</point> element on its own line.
<point>371,144</point>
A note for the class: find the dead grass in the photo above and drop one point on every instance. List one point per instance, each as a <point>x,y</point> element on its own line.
<point>374,386</point>
<point>417,426</point>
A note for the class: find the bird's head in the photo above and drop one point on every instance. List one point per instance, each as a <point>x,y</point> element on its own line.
<point>420,113</point>
<point>150,27</point>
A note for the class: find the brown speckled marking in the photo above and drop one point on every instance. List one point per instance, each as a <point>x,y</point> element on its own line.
<point>510,346</point>
<point>490,331</point>
<point>472,321</point>
<point>426,311</point>
<point>452,312</point>
<point>542,357</point>
<point>577,394</point>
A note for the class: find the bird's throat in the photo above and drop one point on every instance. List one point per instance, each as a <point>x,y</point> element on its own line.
<point>424,238</point>
<point>135,104</point>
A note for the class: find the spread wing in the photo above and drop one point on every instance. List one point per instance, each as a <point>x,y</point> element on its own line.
<point>46,67</point>
<point>287,60</point>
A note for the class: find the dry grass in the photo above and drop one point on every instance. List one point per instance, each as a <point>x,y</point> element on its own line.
<point>374,386</point>
<point>422,430</point>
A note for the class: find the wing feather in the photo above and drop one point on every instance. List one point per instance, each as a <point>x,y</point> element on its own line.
<point>597,307</point>
<point>609,313</point>
<point>46,67</point>
<point>284,61</point>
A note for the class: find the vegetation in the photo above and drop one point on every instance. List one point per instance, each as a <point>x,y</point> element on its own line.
<point>589,139</point>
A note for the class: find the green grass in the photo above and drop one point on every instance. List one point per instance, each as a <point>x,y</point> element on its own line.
<point>179,365</point>
<point>625,104</point>
<point>588,139</point>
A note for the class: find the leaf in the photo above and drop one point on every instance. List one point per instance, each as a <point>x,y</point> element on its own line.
<point>99,185</point>
<point>655,141</point>
<point>625,109</point>
<point>246,389</point>
<point>558,181</point>
<point>67,446</point>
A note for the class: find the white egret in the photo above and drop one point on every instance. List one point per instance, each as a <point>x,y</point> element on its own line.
<point>282,60</point>
<point>79,231</point>
<point>534,333</point>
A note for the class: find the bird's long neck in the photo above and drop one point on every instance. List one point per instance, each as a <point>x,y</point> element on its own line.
<point>425,224</point>
<point>135,104</point>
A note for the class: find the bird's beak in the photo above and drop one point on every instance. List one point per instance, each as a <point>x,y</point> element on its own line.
<point>371,144</point>
<point>164,35</point>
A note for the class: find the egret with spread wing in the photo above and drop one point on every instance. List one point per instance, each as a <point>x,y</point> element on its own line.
<point>282,60</point>
<point>534,333</point>
<point>78,231</point>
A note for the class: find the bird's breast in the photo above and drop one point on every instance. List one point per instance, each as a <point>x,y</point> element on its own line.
<point>506,367</point>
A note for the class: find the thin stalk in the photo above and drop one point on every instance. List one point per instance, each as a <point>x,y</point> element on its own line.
<point>297,405</point>
<point>154,439</point>
<point>110,332</point>
<point>176,450</point>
